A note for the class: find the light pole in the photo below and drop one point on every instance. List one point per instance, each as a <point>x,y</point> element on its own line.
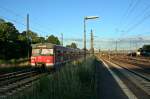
<point>27,35</point>
<point>84,42</point>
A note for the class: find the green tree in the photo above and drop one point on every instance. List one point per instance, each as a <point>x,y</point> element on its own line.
<point>40,39</point>
<point>140,49</point>
<point>72,45</point>
<point>54,40</point>
<point>146,48</point>
<point>30,36</point>
<point>8,40</point>
<point>22,37</point>
<point>8,32</point>
<point>68,46</point>
<point>2,20</point>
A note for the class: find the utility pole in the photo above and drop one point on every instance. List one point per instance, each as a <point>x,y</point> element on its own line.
<point>92,45</point>
<point>27,35</point>
<point>130,49</point>
<point>116,47</point>
<point>62,39</point>
<point>84,39</point>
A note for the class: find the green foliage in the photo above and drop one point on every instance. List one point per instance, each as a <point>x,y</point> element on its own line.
<point>73,45</point>
<point>68,46</point>
<point>16,45</point>
<point>31,37</point>
<point>54,40</point>
<point>140,49</point>
<point>8,39</point>
<point>146,48</point>
<point>40,40</point>
<point>2,21</point>
<point>28,37</point>
<point>10,50</point>
<point>10,46</point>
<point>8,32</point>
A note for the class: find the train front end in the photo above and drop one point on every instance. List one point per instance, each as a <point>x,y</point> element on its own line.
<point>42,55</point>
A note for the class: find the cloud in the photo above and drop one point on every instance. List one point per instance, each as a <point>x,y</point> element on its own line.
<point>136,41</point>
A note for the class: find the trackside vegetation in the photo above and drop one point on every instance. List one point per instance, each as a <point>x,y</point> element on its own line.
<point>73,81</point>
<point>14,69</point>
<point>15,44</point>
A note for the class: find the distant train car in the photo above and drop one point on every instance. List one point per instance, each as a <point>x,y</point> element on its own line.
<point>50,55</point>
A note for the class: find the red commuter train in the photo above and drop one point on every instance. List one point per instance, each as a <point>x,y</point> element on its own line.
<point>51,55</point>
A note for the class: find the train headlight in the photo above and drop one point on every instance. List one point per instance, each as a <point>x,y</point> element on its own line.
<point>48,60</point>
<point>32,59</point>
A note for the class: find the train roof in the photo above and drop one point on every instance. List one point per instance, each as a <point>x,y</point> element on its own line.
<point>40,45</point>
<point>50,45</point>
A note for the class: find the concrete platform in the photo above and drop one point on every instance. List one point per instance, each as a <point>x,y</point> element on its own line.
<point>112,84</point>
<point>107,86</point>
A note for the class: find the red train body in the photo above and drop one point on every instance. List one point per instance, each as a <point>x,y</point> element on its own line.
<point>50,55</point>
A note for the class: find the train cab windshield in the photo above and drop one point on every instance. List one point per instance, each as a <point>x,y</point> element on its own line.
<point>41,51</point>
<point>46,51</point>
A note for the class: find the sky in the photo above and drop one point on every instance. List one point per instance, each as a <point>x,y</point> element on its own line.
<point>118,20</point>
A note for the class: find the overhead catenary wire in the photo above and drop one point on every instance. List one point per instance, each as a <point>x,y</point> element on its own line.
<point>33,28</point>
<point>11,11</point>
<point>142,13</point>
<point>9,19</point>
<point>126,12</point>
<point>129,12</point>
<point>142,16</point>
<point>138,23</point>
<point>22,17</point>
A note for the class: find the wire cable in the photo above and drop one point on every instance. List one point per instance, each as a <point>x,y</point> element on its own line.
<point>22,17</point>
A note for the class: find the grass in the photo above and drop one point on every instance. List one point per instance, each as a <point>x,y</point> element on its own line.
<point>13,61</point>
<point>73,81</point>
<point>13,65</point>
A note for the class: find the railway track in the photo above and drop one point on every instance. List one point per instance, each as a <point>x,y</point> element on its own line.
<point>137,66</point>
<point>15,82</point>
<point>138,78</point>
<point>143,60</point>
<point>141,72</point>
